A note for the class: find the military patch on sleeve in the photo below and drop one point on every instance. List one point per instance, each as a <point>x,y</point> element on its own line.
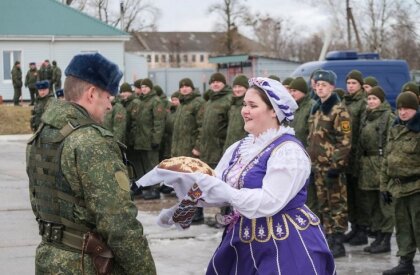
<point>345,126</point>
<point>122,180</point>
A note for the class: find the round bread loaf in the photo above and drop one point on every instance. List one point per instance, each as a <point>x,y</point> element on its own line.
<point>186,165</point>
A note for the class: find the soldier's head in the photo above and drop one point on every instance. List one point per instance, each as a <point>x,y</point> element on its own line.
<point>410,87</point>
<point>90,81</point>
<point>274,77</point>
<point>375,97</point>
<point>240,85</point>
<point>354,81</point>
<point>54,63</point>
<point>217,82</point>
<point>267,104</point>
<point>46,62</point>
<point>325,83</point>
<point>369,82</point>
<point>186,86</point>
<point>175,99</point>
<point>32,65</point>
<point>17,64</point>
<point>312,79</point>
<point>407,105</point>
<point>298,88</point>
<point>125,90</point>
<point>43,87</point>
<point>137,86</point>
<point>146,86</point>
<point>286,82</point>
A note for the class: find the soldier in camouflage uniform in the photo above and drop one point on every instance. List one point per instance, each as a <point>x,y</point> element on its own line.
<point>235,130</point>
<point>83,185</point>
<point>411,87</point>
<point>369,82</point>
<point>56,76</point>
<point>116,119</point>
<point>17,82</point>
<point>374,127</point>
<point>400,178</point>
<point>286,82</point>
<point>329,144</point>
<point>299,91</point>
<point>355,101</point>
<point>30,80</point>
<point>169,125</point>
<point>150,125</point>
<point>45,72</point>
<point>43,100</point>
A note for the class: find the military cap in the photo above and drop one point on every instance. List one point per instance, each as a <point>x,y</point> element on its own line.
<point>43,84</point>
<point>410,86</point>
<point>54,62</point>
<point>408,100</point>
<point>287,81</point>
<point>378,92</point>
<point>147,82</point>
<point>217,77</point>
<point>325,75</point>
<point>241,80</point>
<point>313,73</point>
<point>176,94</point>
<point>17,62</point>
<point>299,84</point>
<point>97,70</point>
<point>356,75</point>
<point>59,93</point>
<point>125,87</point>
<point>158,89</point>
<point>137,83</point>
<point>371,81</point>
<point>186,82</point>
<point>274,77</point>
<point>32,63</point>
<point>340,92</point>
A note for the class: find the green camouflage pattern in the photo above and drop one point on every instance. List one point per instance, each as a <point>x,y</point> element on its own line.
<point>235,129</point>
<point>116,120</point>
<point>41,104</point>
<point>56,77</point>
<point>45,73</point>
<point>31,78</point>
<point>150,122</point>
<point>16,77</point>
<point>374,128</point>
<point>132,106</point>
<point>165,150</point>
<point>91,162</point>
<point>356,105</point>
<point>186,124</point>
<point>300,122</point>
<point>376,214</point>
<point>212,133</point>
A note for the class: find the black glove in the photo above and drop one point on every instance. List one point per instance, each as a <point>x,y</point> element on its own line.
<point>155,146</point>
<point>333,173</point>
<point>386,197</point>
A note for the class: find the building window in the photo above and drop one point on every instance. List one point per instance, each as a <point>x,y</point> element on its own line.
<point>171,58</point>
<point>185,58</point>
<point>201,57</point>
<point>193,58</point>
<point>163,58</point>
<point>156,58</point>
<point>9,59</point>
<point>149,58</point>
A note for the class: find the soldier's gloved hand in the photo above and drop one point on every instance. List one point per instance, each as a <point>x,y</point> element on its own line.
<point>333,173</point>
<point>155,146</point>
<point>386,197</point>
<point>332,177</point>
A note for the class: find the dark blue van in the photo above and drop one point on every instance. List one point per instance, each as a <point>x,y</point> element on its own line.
<point>391,74</point>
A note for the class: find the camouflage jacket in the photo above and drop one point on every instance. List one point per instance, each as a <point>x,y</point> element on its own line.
<point>400,172</point>
<point>186,124</point>
<point>235,129</point>
<point>41,104</point>
<point>300,122</point>
<point>91,163</point>
<point>356,105</point>
<point>116,120</point>
<point>374,128</point>
<point>150,122</point>
<point>31,78</point>
<point>45,73</point>
<point>167,135</point>
<point>329,140</point>
<point>132,106</point>
<point>212,133</point>
<point>56,76</point>
<point>16,77</point>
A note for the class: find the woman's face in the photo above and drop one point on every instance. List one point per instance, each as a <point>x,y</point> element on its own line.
<point>257,115</point>
<point>373,102</point>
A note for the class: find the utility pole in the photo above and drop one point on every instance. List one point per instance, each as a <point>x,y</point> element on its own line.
<point>353,24</point>
<point>122,14</point>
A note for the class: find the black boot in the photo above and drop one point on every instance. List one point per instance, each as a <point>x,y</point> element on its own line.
<point>337,248</point>
<point>352,233</point>
<point>360,237</point>
<point>330,240</point>
<point>384,246</point>
<point>151,194</point>
<point>405,267</point>
<point>198,216</point>
<point>376,242</point>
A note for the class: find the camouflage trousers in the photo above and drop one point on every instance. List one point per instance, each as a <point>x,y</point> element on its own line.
<point>332,201</point>
<point>312,200</point>
<point>407,224</point>
<point>378,215</point>
<point>353,202</point>
<point>17,95</point>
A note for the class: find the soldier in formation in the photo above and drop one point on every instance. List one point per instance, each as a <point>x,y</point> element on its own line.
<point>30,80</point>
<point>17,82</point>
<point>116,119</point>
<point>43,100</point>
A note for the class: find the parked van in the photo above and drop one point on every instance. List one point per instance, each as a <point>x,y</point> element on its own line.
<point>391,74</point>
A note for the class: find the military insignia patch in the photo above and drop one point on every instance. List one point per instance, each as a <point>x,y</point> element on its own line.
<point>345,126</point>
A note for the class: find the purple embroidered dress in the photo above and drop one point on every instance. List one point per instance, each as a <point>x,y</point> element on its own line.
<point>288,242</point>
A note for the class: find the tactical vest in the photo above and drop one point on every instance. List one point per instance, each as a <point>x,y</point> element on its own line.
<point>53,197</point>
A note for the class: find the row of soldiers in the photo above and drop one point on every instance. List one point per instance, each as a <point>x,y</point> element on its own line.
<point>52,74</point>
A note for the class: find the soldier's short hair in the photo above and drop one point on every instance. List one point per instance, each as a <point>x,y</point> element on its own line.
<point>74,88</point>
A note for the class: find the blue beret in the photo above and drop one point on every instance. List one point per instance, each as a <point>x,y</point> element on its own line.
<point>43,84</point>
<point>59,93</point>
<point>325,75</point>
<point>97,70</point>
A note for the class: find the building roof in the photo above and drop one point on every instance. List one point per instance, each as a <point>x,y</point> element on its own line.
<point>186,42</point>
<point>225,59</point>
<point>49,17</point>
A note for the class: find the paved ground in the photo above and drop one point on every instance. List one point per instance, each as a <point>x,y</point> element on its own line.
<point>175,252</point>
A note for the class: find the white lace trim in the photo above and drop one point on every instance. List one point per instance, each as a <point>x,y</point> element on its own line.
<point>252,145</point>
